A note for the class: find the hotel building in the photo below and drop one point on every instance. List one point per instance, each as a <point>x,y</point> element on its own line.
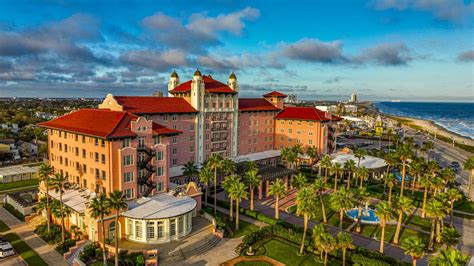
<point>139,145</point>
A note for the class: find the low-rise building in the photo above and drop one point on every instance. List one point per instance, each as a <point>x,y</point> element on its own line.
<point>18,173</point>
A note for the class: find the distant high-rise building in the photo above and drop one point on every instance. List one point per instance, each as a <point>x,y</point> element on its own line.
<point>292,98</point>
<point>158,94</point>
<point>353,98</point>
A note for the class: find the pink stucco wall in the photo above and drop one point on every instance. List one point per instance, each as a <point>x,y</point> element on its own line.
<point>255,132</point>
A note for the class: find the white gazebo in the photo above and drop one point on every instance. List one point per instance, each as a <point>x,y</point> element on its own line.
<point>159,219</point>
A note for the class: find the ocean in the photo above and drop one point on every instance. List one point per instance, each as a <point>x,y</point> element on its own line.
<point>455,117</point>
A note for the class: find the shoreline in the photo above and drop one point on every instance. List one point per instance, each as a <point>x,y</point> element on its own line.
<point>429,126</point>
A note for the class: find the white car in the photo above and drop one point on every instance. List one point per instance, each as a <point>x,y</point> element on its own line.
<point>6,250</point>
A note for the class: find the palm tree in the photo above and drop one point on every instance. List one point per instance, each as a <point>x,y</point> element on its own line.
<point>251,166</point>
<point>190,169</point>
<point>319,187</point>
<point>299,181</point>
<point>469,166</point>
<point>404,205</point>
<point>453,195</point>
<point>360,155</point>
<point>450,236</point>
<point>306,206</point>
<point>426,182</point>
<point>361,196</point>
<point>214,163</point>
<point>341,201</point>
<point>239,192</point>
<point>390,181</point>
<point>228,184</point>
<point>404,153</point>
<point>292,159</point>
<point>99,207</point>
<point>253,180</point>
<point>391,160</point>
<point>277,189</point>
<point>312,152</point>
<point>349,166</point>
<point>449,257</point>
<point>327,164</point>
<point>416,169</point>
<point>228,167</point>
<point>396,139</point>
<point>117,202</point>
<point>426,148</point>
<point>67,214</point>
<point>328,244</point>
<point>44,174</point>
<point>59,184</point>
<point>318,231</point>
<point>434,210</point>
<point>344,241</point>
<point>297,151</point>
<point>414,247</point>
<point>205,176</point>
<point>384,212</point>
<point>363,174</point>
<point>285,154</point>
<point>448,175</point>
<point>336,168</point>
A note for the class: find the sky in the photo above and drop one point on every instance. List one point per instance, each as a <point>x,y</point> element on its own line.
<point>418,50</point>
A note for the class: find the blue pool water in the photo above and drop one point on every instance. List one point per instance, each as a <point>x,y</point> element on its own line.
<point>368,215</point>
<point>398,175</point>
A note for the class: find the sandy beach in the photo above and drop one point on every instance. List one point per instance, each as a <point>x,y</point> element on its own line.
<point>436,129</point>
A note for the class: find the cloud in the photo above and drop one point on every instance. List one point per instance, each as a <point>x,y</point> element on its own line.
<point>333,80</point>
<point>447,10</point>
<point>158,60</point>
<point>313,50</point>
<point>60,39</point>
<point>467,56</point>
<point>201,31</point>
<point>387,54</point>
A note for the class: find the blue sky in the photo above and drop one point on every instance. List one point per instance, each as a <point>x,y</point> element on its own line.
<point>382,49</point>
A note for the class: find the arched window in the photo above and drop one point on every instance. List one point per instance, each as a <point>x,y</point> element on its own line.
<point>111,231</point>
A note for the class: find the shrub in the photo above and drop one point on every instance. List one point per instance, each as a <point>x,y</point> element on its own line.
<point>91,252</point>
<point>54,235</point>
<point>358,259</point>
<point>64,247</point>
<point>14,211</point>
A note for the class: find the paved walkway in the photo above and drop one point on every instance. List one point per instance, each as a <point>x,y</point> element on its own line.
<point>359,240</point>
<point>47,252</point>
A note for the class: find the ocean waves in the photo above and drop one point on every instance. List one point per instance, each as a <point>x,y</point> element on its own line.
<point>455,117</point>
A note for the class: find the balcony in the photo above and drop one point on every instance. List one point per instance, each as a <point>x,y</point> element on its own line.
<point>219,128</point>
<point>215,149</point>
<point>219,139</point>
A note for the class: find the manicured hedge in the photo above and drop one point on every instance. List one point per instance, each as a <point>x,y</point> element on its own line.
<point>13,211</point>
<point>64,247</point>
<point>3,226</point>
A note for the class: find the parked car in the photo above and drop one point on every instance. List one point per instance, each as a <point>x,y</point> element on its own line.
<point>6,250</point>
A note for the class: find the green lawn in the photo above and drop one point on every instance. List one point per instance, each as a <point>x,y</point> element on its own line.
<point>29,255</point>
<point>418,222</point>
<point>253,263</point>
<point>3,226</point>
<point>18,184</point>
<point>285,252</point>
<point>245,228</point>
<point>465,206</point>
<point>376,231</point>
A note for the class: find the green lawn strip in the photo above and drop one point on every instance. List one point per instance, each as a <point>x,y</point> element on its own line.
<point>18,184</point>
<point>465,206</point>
<point>376,231</point>
<point>28,254</point>
<point>244,228</point>
<point>3,226</point>
<point>418,222</point>
<point>253,263</point>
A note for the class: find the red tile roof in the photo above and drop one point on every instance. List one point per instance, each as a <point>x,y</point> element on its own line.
<point>159,129</point>
<point>211,86</point>
<point>101,123</point>
<point>275,93</point>
<point>154,105</point>
<point>305,113</point>
<point>255,104</point>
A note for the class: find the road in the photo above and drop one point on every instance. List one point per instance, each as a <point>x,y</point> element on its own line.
<point>444,154</point>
